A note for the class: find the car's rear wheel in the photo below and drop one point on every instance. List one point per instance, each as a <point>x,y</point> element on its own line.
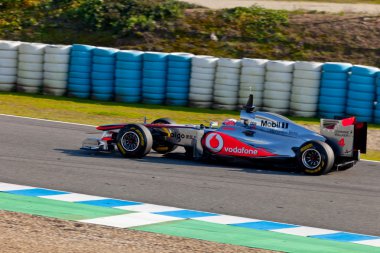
<point>134,141</point>
<point>159,144</point>
<point>315,158</point>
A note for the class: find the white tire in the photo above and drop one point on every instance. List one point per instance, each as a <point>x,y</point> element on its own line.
<point>202,91</point>
<point>307,65</point>
<point>229,82</point>
<point>9,45</point>
<point>280,66</point>
<point>303,99</point>
<point>8,79</point>
<point>8,71</point>
<point>226,100</point>
<point>248,62</point>
<point>305,91</point>
<point>54,92</point>
<point>253,71</point>
<point>29,82</point>
<point>251,86</point>
<point>306,83</point>
<point>56,67</point>
<point>200,97</point>
<point>30,66</point>
<point>56,84</point>
<point>204,61</point>
<point>230,76</point>
<point>200,104</point>
<point>276,103</point>
<point>256,94</point>
<point>274,94</point>
<point>280,77</point>
<point>57,58</point>
<point>225,93</point>
<point>6,86</point>
<point>226,87</point>
<point>209,71</point>
<point>32,48</point>
<point>252,79</point>
<point>281,111</point>
<point>304,107</point>
<point>194,82</point>
<point>217,106</point>
<point>28,89</point>
<point>58,49</point>
<point>33,58</point>
<point>229,63</point>
<point>30,74</point>
<point>258,102</point>
<point>302,113</point>
<point>278,86</point>
<point>202,76</point>
<point>8,54</point>
<point>59,76</point>
<point>8,63</point>
<point>306,74</point>
<point>221,69</point>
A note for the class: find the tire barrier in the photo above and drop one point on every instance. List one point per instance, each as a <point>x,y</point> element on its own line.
<point>202,81</point>
<point>30,67</point>
<point>252,78</point>
<point>56,66</point>
<point>333,91</point>
<point>376,113</point>
<point>178,79</point>
<point>79,82</point>
<point>277,86</point>
<point>103,73</point>
<point>154,78</point>
<point>306,75</point>
<point>8,64</point>
<point>226,85</point>
<point>128,76</point>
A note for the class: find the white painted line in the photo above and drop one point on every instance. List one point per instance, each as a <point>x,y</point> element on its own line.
<point>225,219</point>
<point>73,197</point>
<point>13,187</point>
<point>304,231</point>
<point>46,120</point>
<point>375,243</point>
<point>131,220</point>
<point>148,208</point>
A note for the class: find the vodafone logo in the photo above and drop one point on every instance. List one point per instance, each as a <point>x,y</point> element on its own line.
<point>214,142</point>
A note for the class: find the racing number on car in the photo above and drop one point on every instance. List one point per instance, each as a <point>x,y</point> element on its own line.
<point>214,142</point>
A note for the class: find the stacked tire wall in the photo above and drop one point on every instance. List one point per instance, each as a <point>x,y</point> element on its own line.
<point>377,106</point>
<point>8,64</point>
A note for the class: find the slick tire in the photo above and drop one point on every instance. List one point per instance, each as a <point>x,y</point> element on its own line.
<point>315,158</point>
<point>134,141</point>
<point>159,144</point>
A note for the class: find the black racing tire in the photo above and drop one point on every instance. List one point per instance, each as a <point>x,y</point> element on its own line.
<point>315,158</point>
<point>134,141</point>
<point>160,146</point>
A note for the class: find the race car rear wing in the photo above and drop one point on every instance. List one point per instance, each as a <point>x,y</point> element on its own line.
<point>348,136</point>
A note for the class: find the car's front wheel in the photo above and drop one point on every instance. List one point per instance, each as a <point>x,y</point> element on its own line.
<point>134,141</point>
<point>315,158</point>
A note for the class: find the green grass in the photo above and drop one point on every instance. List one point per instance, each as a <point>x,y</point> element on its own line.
<point>100,113</point>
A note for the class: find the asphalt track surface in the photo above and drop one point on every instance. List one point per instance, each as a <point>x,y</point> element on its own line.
<point>46,154</point>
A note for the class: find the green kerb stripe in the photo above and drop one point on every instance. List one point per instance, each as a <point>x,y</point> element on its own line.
<point>54,208</point>
<point>254,238</point>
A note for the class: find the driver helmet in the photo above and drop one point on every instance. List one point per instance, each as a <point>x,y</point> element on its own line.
<point>229,122</point>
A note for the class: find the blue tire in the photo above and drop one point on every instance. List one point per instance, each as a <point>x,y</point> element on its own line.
<point>178,64</point>
<point>106,60</point>
<point>84,75</point>
<point>103,68</point>
<point>82,61</point>
<point>376,113</point>
<point>128,99</point>
<point>155,56</point>
<point>120,91</point>
<point>179,71</point>
<point>154,82</point>
<point>82,54</point>
<point>177,102</point>
<point>130,55</point>
<point>365,96</point>
<point>177,89</point>
<point>104,51</point>
<point>128,74</point>
<point>337,67</point>
<point>128,83</point>
<point>332,100</point>
<point>327,92</point>
<point>334,84</point>
<point>181,96</point>
<point>359,111</point>
<point>81,47</point>
<point>362,79</point>
<point>153,89</point>
<point>179,78</point>
<point>78,88</point>
<point>360,104</point>
<point>364,70</point>
<point>364,119</point>
<point>101,96</point>
<point>371,88</point>
<point>129,65</point>
<point>154,74</point>
<point>147,65</point>
<point>102,83</point>
<point>335,76</point>
<point>330,115</point>
<point>80,68</point>
<point>153,96</point>
<point>180,57</point>
<point>331,108</point>
<point>102,75</point>
<point>74,94</point>
<point>102,89</point>
<point>378,92</point>
<point>153,101</point>
<point>79,81</point>
<point>179,84</point>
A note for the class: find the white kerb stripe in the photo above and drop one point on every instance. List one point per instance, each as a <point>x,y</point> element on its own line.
<point>131,220</point>
<point>148,208</point>
<point>225,219</point>
<point>304,231</point>
<point>375,242</point>
<point>73,197</point>
<point>13,187</point>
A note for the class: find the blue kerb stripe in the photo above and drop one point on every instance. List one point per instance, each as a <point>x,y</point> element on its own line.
<point>186,214</point>
<point>36,192</point>
<point>345,237</point>
<point>264,225</point>
<point>109,202</point>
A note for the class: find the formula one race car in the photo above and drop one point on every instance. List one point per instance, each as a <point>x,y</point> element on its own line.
<point>260,136</point>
